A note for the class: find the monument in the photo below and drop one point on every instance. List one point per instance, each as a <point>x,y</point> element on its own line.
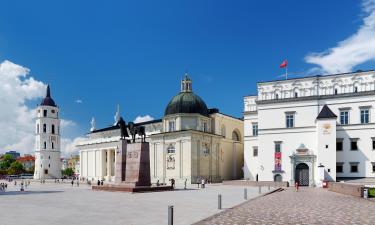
<point>132,172</point>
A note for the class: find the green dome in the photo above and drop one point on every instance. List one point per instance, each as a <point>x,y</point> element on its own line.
<point>186,102</point>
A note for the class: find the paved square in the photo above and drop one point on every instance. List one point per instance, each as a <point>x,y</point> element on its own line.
<point>308,206</point>
<point>52,204</point>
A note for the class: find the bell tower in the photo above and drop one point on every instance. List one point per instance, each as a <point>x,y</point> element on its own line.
<point>47,139</point>
<point>186,84</point>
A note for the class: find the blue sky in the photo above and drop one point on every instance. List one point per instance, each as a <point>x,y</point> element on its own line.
<point>134,53</point>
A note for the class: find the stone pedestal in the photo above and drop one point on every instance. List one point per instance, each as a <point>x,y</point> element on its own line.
<point>120,162</point>
<point>137,171</point>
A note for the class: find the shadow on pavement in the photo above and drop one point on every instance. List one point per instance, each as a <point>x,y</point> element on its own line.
<point>28,192</point>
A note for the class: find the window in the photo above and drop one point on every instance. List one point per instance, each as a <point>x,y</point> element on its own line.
<point>364,116</point>
<point>296,94</point>
<point>276,96</point>
<point>45,113</point>
<point>373,167</point>
<point>171,126</point>
<point>339,167</point>
<point>354,167</point>
<point>223,131</point>
<point>235,136</point>
<point>255,129</point>
<point>53,129</point>
<point>339,144</point>
<point>354,144</point>
<point>336,92</point>
<point>255,151</point>
<point>37,128</point>
<point>277,146</point>
<point>355,89</point>
<point>44,128</point>
<point>344,117</point>
<point>171,149</point>
<point>373,143</point>
<point>45,145</point>
<point>52,145</point>
<point>52,111</point>
<point>205,127</point>
<point>49,165</point>
<point>289,120</point>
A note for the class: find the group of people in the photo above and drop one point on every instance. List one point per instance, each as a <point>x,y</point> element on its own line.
<point>202,182</point>
<point>72,182</point>
<point>3,187</point>
<point>100,182</point>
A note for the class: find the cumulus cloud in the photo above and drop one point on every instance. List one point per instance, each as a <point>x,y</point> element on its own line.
<point>17,120</point>
<point>141,119</point>
<point>68,146</point>
<point>354,50</point>
<point>78,101</point>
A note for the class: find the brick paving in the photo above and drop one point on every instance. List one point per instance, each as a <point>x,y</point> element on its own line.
<point>308,206</point>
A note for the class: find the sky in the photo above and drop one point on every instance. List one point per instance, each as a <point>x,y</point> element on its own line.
<point>98,54</point>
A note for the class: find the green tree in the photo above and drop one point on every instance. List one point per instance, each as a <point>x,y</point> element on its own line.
<point>68,172</point>
<point>15,168</point>
<point>6,162</point>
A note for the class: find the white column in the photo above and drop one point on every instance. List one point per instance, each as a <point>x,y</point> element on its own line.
<point>102,164</point>
<point>108,165</point>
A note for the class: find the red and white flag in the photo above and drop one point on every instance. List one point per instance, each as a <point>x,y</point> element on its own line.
<point>284,64</point>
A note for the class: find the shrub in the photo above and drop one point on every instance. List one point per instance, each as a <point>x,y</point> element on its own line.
<point>371,192</point>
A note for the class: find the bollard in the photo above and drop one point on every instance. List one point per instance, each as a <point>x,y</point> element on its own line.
<point>219,202</point>
<point>170,215</point>
<point>260,189</point>
<point>245,193</point>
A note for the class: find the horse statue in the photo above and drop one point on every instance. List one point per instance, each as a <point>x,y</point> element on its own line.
<point>137,130</point>
<point>124,132</point>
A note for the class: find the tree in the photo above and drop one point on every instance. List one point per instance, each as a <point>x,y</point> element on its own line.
<point>15,168</point>
<point>68,172</point>
<point>6,162</point>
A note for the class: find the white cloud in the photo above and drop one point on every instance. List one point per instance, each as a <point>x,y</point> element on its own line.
<point>78,101</point>
<point>17,120</point>
<point>68,146</point>
<point>141,119</point>
<point>355,50</point>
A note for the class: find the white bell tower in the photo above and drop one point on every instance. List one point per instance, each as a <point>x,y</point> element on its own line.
<point>47,140</point>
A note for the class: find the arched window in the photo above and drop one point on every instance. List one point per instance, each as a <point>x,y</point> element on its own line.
<point>44,128</point>
<point>235,136</point>
<point>223,131</point>
<point>53,129</point>
<point>296,94</point>
<point>45,145</point>
<point>276,96</point>
<point>52,145</point>
<point>171,149</point>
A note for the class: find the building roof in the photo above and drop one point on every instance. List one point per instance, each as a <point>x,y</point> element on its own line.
<point>186,101</point>
<point>48,101</point>
<point>326,113</point>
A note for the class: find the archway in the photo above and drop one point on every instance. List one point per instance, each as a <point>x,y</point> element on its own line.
<point>278,178</point>
<point>302,174</point>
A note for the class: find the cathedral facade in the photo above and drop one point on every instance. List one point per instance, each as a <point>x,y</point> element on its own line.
<point>190,142</point>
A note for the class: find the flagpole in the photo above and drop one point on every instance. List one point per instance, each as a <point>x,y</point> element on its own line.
<point>286,72</point>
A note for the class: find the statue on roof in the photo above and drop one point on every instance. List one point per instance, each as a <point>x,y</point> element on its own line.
<point>93,124</point>
<point>117,115</point>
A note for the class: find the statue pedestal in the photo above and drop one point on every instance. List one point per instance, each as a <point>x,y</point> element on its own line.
<point>120,162</point>
<point>137,171</point>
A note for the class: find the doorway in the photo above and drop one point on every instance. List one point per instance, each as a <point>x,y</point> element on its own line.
<point>302,174</point>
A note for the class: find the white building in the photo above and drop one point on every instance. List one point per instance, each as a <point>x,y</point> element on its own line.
<point>47,140</point>
<point>296,128</point>
<point>190,142</point>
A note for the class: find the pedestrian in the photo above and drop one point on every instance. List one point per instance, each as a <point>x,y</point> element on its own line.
<point>185,184</point>
<point>202,183</point>
<point>198,181</point>
<point>158,183</point>
<point>172,182</point>
<point>101,183</point>
<point>72,183</point>
<point>77,183</point>
<point>296,185</point>
<point>98,182</point>
<point>6,186</point>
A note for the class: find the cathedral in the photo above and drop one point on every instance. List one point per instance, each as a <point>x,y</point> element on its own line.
<point>190,142</point>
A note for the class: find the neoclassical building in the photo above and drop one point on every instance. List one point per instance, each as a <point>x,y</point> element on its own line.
<point>312,128</point>
<point>189,142</point>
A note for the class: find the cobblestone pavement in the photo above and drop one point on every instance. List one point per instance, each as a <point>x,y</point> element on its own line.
<point>308,206</point>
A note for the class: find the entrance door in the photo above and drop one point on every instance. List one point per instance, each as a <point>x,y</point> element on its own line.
<point>302,174</point>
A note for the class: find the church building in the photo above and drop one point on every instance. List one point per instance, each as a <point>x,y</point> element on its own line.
<point>190,142</point>
<point>311,129</point>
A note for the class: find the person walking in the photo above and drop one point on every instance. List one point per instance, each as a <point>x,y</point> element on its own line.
<point>296,185</point>
<point>185,184</point>
<point>98,183</point>
<point>202,183</point>
<point>72,183</point>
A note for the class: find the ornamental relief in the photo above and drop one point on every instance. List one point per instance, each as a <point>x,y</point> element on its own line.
<point>171,162</point>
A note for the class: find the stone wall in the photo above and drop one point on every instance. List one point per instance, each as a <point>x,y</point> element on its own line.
<point>345,188</point>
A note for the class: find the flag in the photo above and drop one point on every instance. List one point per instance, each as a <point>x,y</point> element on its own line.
<point>284,64</point>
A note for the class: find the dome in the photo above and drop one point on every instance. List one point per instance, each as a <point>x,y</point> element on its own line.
<point>48,101</point>
<point>186,101</point>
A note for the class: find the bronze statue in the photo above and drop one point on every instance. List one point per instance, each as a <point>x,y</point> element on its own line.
<point>134,130</point>
<point>124,132</point>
